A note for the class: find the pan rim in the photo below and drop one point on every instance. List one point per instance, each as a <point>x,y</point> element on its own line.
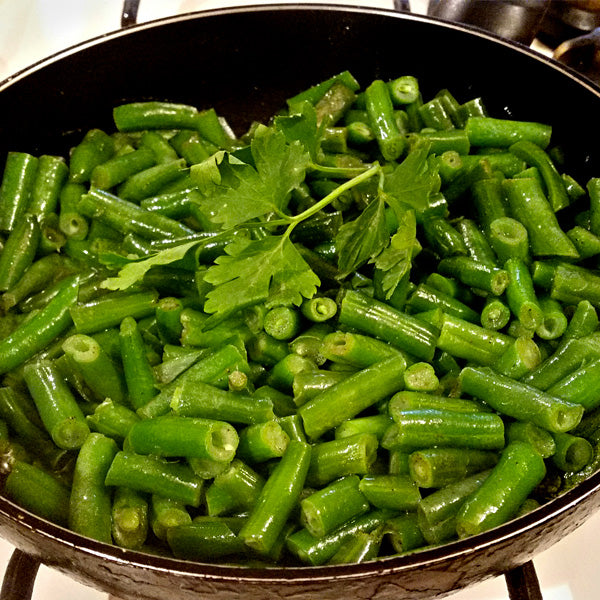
<point>302,6</point>
<point>395,564</point>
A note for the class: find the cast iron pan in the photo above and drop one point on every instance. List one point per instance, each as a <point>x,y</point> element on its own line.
<point>245,62</point>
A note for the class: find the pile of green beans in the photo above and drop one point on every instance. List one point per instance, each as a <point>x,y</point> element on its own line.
<point>358,424</point>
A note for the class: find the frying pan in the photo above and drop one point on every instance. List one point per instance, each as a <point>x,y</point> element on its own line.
<point>245,62</point>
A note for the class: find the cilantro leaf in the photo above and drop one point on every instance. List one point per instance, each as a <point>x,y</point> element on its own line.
<point>364,238</point>
<point>243,192</point>
<point>268,270</point>
<point>412,182</point>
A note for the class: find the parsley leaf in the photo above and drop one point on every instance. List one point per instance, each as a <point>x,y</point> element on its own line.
<point>244,192</point>
<point>396,258</point>
<point>302,126</point>
<point>135,270</point>
<point>268,270</point>
<point>364,238</point>
<point>412,182</point>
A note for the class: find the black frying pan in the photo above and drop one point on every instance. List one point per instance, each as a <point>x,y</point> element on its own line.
<point>245,62</point>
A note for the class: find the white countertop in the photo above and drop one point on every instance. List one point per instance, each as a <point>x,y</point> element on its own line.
<point>33,29</point>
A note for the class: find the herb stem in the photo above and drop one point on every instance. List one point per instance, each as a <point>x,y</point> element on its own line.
<point>327,200</point>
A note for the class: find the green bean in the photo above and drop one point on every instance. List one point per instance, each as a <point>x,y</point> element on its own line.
<point>109,310</point>
<point>440,234</point>
<point>415,429</point>
<point>360,390</point>
<point>95,148</point>
<point>489,201</point>
<point>210,368</point>
<point>127,217</point>
<point>173,436</point>
<point>282,323</point>
<point>362,547</point>
<point>277,498</point>
<point>408,401</point>
<point>95,366</point>
<point>425,298</point>
<point>404,89</point>
<point>150,181</point>
<point>568,356</point>
<point>317,551</point>
<point>540,439</point>
<point>392,143</point>
<point>502,133</point>
<point>495,313</point>
<point>26,424</point>
<point>554,323</point>
<point>476,242</point>
<point>529,205</point>
<point>535,156</point>
<point>319,309</point>
<point>436,512</point>
<point>19,251</point>
<point>374,424</point>
<point>332,506</point>
<point>52,173</point>
<point>573,283</point>
<point>438,467</point>
<point>442,141</point>
<point>112,419</point>
<point>159,145</point>
<point>138,116</point>
<point>283,372</point>
<point>472,342</point>
<point>373,317</point>
<point>138,373</point>
<point>421,377</point>
<point>586,242</point>
<point>509,239</point>
<point>237,488</point>
<point>393,492</point>
<point>262,441</point>
<point>283,404</point>
<point>520,465</point>
<point>204,541</point>
<point>166,513</point>
<point>521,357</point>
<point>120,167</point>
<point>90,509</point>
<point>58,408</point>
<point>435,115</point>
<point>308,384</point>
<point>194,398</point>
<point>404,533</point>
<point>354,349</point>
<point>353,455</point>
<point>16,188</point>
<point>39,492</point>
<point>155,475</point>
<point>593,189</point>
<point>501,393</point>
<point>129,518</point>
<point>475,274</point>
<point>584,320</point>
<point>521,296</point>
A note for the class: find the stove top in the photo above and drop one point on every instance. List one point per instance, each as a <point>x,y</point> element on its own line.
<point>34,29</point>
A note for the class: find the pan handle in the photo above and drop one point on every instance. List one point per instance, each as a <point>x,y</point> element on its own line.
<point>20,575</point>
<point>522,583</point>
<point>129,13</point>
